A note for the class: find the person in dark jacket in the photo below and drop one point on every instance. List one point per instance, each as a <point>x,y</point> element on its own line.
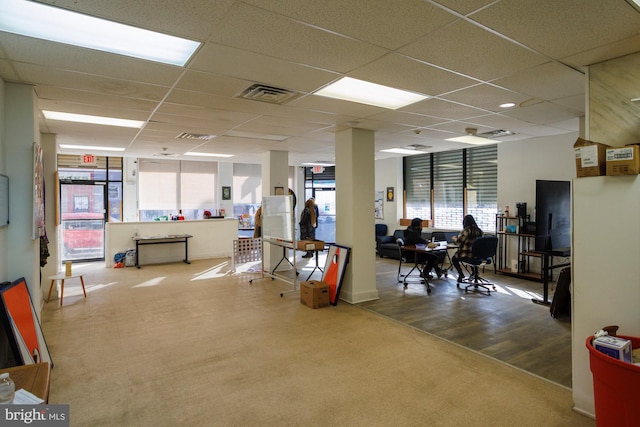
<point>429,260</point>
<point>470,232</point>
<point>308,224</point>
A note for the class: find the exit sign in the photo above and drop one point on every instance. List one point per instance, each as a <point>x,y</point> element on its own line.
<point>88,159</point>
<point>318,169</point>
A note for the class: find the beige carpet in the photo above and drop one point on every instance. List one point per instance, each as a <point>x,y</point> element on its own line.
<point>194,345</point>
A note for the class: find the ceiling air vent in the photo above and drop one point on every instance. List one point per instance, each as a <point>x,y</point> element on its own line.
<point>496,133</point>
<point>198,136</point>
<point>273,95</point>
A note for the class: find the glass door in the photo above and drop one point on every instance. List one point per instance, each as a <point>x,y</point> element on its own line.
<point>82,215</point>
<point>325,199</point>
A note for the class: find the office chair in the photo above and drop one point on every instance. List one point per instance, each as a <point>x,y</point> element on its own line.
<point>409,259</point>
<point>483,250</point>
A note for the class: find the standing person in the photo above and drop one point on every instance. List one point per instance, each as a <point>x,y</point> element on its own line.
<point>470,232</point>
<point>257,223</point>
<point>308,224</point>
<point>429,260</point>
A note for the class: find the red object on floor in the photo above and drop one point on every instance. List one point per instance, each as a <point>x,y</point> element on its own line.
<point>616,387</point>
<point>331,277</point>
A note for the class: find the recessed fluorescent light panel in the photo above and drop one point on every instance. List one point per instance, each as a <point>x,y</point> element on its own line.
<point>37,20</point>
<point>89,148</point>
<point>354,90</point>
<point>473,140</point>
<point>403,151</point>
<point>96,120</point>
<point>195,153</point>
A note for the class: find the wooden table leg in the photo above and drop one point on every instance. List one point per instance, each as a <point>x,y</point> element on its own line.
<point>61,290</point>
<point>83,290</point>
<point>50,289</point>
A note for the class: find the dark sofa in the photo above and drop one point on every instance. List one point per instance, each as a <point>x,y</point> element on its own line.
<point>386,246</point>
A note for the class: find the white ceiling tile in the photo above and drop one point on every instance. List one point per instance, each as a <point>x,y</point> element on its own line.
<point>548,81</point>
<point>561,28</point>
<point>476,53</point>
<point>486,96</point>
<point>416,76</point>
<point>270,34</point>
<point>382,23</point>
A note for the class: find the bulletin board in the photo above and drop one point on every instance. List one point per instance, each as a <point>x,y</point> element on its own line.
<point>277,218</point>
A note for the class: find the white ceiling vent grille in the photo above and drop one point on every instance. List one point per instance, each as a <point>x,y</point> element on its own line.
<point>197,136</point>
<point>263,93</point>
<point>496,133</point>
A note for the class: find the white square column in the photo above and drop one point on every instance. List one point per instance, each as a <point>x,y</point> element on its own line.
<point>275,173</point>
<point>355,209</point>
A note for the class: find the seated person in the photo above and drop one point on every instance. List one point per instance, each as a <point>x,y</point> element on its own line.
<point>429,260</point>
<point>469,233</point>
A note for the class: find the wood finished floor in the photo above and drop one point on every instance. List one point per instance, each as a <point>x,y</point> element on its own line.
<point>506,325</point>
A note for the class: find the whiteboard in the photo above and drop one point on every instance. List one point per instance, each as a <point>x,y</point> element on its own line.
<point>4,200</point>
<point>277,218</point>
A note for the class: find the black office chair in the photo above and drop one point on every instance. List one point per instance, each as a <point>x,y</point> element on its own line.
<point>483,251</point>
<point>409,258</point>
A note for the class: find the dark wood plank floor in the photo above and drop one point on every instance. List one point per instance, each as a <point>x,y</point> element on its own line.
<point>506,325</point>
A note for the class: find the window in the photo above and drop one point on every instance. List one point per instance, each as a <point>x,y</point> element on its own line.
<point>448,178</point>
<point>166,187</point>
<point>482,185</point>
<point>449,175</point>
<point>247,192</point>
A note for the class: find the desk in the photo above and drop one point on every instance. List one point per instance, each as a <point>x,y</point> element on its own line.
<point>33,378</point>
<point>547,256</point>
<point>62,277</point>
<point>166,239</point>
<point>442,247</point>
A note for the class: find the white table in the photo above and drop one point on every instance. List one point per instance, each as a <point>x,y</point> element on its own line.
<point>62,277</point>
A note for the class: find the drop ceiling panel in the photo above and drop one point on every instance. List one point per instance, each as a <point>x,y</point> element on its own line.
<point>45,92</point>
<point>604,52</point>
<point>206,100</point>
<point>464,7</point>
<point>256,30</point>
<point>476,53</point>
<point>56,55</point>
<point>166,16</point>
<point>407,118</point>
<point>548,81</point>
<point>485,96</point>
<point>441,108</point>
<point>387,24</point>
<point>89,82</point>
<point>324,104</point>
<point>561,28</point>
<point>542,113</point>
<point>416,76</point>
<point>228,61</point>
<point>93,110</point>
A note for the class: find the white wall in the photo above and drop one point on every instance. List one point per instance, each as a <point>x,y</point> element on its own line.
<point>388,173</point>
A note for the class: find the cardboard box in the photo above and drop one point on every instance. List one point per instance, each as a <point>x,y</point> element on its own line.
<point>310,245</point>
<point>314,294</point>
<point>623,160</point>
<point>618,348</point>
<point>590,158</point>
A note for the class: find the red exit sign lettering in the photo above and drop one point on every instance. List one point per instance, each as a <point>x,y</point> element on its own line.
<point>89,159</point>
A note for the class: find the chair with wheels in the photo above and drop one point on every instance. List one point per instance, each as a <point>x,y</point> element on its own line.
<point>408,257</point>
<point>483,251</point>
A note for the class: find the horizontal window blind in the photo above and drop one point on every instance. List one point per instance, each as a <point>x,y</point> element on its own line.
<point>482,185</point>
<point>418,185</point>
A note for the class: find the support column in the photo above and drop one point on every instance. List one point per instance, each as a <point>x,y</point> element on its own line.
<point>355,207</point>
<point>275,173</point>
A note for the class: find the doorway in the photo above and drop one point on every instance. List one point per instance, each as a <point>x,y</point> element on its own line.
<point>82,219</point>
